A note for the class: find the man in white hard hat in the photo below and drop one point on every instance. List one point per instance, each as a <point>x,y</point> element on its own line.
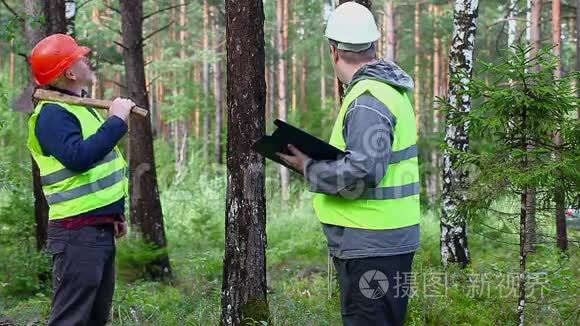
<point>368,200</point>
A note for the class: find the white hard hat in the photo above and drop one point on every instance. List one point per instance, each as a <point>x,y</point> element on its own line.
<point>352,24</point>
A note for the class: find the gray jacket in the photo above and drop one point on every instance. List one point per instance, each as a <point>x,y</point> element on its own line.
<point>368,131</point>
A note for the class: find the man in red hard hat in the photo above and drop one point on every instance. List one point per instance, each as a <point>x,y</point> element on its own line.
<point>83,177</point>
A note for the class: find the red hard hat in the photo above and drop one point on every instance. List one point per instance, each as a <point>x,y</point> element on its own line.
<point>53,55</point>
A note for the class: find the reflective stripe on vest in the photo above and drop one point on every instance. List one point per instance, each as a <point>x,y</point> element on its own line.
<point>70,193</point>
<point>394,203</point>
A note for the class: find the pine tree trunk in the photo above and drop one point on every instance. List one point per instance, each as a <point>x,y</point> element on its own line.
<point>282,100</point>
<point>217,89</point>
<point>323,55</point>
<point>303,87</point>
<point>417,71</point>
<point>145,206</point>
<point>391,44</point>
<point>244,281</point>
<point>433,184</point>
<point>454,248</point>
<point>560,192</point>
<point>33,33</point>
<point>534,33</point>
<point>206,123</point>
<point>12,64</point>
<point>54,13</point>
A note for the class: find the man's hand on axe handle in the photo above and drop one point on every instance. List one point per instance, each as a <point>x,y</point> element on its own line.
<point>121,107</point>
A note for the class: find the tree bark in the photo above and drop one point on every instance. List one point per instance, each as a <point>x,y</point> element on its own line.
<point>244,298</point>
<point>454,248</point>
<point>323,54</point>
<point>417,71</point>
<point>54,13</point>
<point>560,192</point>
<point>391,44</point>
<point>145,206</point>
<point>34,10</point>
<point>512,23</point>
<point>534,37</point>
<point>282,96</point>
<point>217,88</point>
<point>523,256</point>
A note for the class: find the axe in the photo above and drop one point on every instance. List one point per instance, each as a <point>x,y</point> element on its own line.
<point>46,95</point>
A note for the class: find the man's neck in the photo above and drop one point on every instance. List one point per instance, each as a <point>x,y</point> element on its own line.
<point>73,89</point>
<point>352,69</point>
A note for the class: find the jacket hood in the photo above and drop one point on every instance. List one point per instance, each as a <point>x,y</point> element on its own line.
<point>385,71</point>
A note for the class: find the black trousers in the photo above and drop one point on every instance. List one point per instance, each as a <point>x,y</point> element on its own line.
<point>374,291</point>
<point>83,275</point>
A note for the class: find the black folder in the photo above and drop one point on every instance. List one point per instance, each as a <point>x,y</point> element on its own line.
<point>287,134</point>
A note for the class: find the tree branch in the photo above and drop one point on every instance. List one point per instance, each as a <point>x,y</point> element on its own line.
<point>164,9</point>
<point>12,11</point>
<point>120,44</point>
<point>116,31</point>
<point>83,4</point>
<point>155,32</point>
<point>113,9</point>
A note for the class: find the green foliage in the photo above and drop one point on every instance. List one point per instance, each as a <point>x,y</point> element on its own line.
<point>518,112</point>
<point>133,255</point>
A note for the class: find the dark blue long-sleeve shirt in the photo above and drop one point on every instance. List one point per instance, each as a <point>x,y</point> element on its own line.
<point>59,134</point>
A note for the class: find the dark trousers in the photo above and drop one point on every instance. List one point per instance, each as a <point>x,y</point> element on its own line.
<point>374,291</point>
<point>83,275</point>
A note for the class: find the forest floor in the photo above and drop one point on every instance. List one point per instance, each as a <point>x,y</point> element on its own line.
<point>483,294</point>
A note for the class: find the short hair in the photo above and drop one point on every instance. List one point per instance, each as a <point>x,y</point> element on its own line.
<point>356,57</point>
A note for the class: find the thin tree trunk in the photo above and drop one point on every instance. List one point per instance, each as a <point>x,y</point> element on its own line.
<point>323,54</point>
<point>206,123</point>
<point>418,94</point>
<point>303,86</point>
<point>282,101</point>
<point>433,188</point>
<point>12,64</point>
<point>512,23</point>
<point>560,192</point>
<point>217,89</point>
<point>534,33</point>
<point>391,46</point>
<point>33,11</point>
<point>244,281</point>
<point>523,257</point>
<point>145,206</point>
<point>454,248</point>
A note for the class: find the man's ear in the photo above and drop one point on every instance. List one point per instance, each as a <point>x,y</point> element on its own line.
<point>334,52</point>
<point>69,74</point>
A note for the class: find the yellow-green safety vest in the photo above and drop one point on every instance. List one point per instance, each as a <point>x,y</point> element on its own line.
<point>69,193</point>
<point>394,203</point>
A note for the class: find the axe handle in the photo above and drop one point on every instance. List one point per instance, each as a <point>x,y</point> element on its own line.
<point>46,95</point>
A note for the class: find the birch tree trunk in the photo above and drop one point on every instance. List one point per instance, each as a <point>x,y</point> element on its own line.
<point>244,281</point>
<point>454,247</point>
<point>512,23</point>
<point>282,96</point>
<point>145,206</point>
